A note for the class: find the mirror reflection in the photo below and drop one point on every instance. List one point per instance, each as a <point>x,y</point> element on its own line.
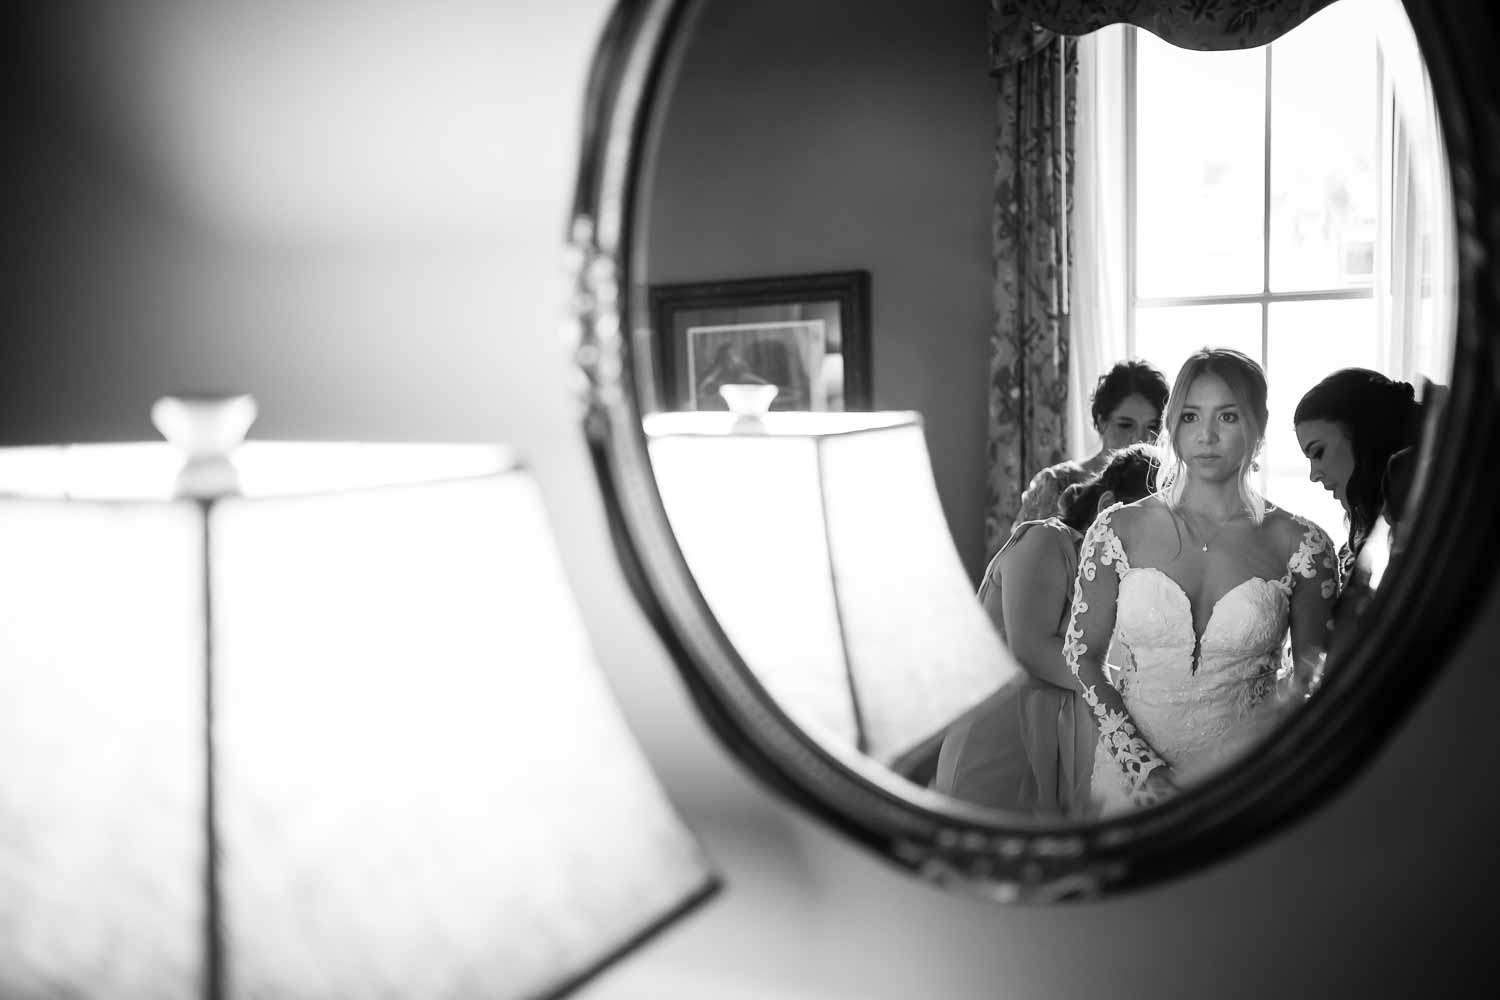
<point>1169,320</point>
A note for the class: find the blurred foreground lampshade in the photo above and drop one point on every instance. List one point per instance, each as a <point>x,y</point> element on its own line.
<point>338,735</point>
<point>819,543</point>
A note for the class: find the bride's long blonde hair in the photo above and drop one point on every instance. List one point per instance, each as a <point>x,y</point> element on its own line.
<point>1247,383</point>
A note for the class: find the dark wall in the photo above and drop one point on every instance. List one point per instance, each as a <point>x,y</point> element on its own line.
<point>845,135</point>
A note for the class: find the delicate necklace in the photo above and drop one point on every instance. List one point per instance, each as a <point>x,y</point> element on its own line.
<point>1197,540</point>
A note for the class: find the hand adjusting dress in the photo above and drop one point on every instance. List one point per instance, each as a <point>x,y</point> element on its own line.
<point>1193,702</point>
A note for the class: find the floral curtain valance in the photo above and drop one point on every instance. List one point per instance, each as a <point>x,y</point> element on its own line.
<point>1020,28</point>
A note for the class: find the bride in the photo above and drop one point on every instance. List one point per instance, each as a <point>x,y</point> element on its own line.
<point>1202,582</point>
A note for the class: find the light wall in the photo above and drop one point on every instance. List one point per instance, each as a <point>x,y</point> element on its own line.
<point>336,207</point>
<point>353,210</point>
<point>847,135</point>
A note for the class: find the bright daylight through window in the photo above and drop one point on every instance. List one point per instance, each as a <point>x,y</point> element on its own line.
<point>1271,202</point>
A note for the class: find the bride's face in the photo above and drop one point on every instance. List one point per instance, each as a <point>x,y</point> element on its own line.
<point>1211,433</point>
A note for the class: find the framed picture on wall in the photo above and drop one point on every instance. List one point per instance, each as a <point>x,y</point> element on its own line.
<point>809,335</point>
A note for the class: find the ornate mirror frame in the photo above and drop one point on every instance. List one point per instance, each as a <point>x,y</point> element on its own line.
<point>1379,667</point>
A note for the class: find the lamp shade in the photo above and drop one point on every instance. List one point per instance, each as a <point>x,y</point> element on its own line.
<point>818,542</point>
<point>339,735</point>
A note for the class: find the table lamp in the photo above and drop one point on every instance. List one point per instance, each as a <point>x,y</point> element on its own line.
<point>819,543</point>
<point>308,720</point>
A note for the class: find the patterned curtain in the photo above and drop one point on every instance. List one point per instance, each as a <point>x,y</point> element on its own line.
<point>1030,236</point>
<point>1034,62</point>
<point>1206,25</point>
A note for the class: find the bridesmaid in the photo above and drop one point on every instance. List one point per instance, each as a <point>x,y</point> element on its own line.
<point>1349,426</point>
<point>1029,748</point>
<point>1127,405</point>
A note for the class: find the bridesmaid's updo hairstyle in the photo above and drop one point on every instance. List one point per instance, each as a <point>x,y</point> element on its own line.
<point>1126,379</point>
<point>1129,476</point>
<point>1247,383</point>
<point>1380,417</point>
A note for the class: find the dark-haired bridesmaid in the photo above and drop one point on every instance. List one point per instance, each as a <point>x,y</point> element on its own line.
<point>1349,426</point>
<point>1029,748</point>
<point>1126,405</point>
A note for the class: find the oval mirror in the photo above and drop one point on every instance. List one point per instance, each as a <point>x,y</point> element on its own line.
<point>1022,424</point>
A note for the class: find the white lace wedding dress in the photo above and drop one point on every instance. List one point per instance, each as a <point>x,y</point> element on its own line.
<point>1193,702</point>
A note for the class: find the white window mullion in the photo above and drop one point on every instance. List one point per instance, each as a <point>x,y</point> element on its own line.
<point>1385,223</point>
<point>1132,235</point>
<point>1263,476</point>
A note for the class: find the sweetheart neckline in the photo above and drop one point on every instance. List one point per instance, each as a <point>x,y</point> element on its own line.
<point>1212,612</point>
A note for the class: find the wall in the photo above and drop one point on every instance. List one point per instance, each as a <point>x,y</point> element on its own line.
<point>846,135</point>
<point>354,213</point>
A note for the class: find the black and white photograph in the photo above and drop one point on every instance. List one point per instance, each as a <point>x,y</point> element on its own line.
<point>788,356</point>
<point>791,500</point>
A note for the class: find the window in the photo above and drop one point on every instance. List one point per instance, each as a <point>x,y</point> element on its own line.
<point>1262,190</point>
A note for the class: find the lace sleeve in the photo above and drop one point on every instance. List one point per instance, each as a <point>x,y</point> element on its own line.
<point>1101,563</point>
<point>1313,577</point>
<point>1039,501</point>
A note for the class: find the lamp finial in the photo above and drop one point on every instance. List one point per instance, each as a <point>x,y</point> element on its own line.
<point>206,430</point>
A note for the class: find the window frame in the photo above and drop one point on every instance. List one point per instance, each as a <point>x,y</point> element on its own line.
<point>1265,298</point>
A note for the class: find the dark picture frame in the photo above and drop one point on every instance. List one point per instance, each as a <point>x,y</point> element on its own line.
<point>809,335</point>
